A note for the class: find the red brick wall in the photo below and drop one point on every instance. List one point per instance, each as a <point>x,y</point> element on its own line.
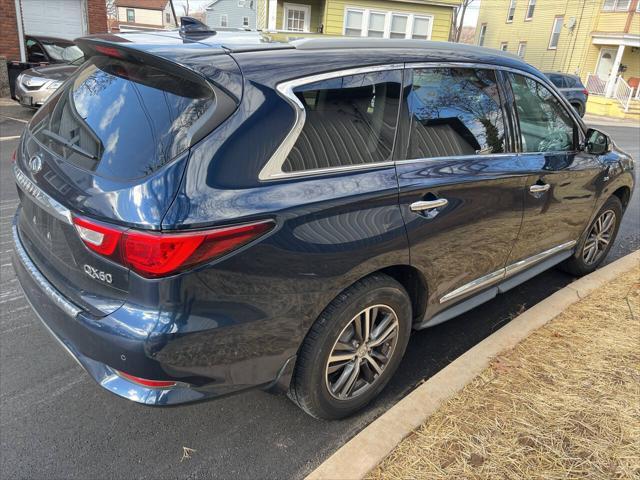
<point>9,47</point>
<point>97,13</point>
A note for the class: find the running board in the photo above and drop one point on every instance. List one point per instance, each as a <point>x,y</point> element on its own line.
<point>490,293</point>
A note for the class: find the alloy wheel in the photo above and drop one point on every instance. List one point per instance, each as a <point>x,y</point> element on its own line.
<point>361,352</point>
<point>600,235</point>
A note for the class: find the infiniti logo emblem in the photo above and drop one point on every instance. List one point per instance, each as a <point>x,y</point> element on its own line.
<point>35,164</point>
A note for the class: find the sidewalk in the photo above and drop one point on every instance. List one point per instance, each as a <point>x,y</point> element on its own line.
<point>564,403</point>
<point>591,119</point>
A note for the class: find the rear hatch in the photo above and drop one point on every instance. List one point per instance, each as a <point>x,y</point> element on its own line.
<point>110,145</point>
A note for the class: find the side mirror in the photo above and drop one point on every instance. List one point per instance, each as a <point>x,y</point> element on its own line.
<point>596,142</point>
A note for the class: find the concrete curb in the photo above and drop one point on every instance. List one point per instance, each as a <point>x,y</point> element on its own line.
<point>369,447</point>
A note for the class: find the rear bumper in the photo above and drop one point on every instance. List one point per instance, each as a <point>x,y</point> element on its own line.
<point>117,342</point>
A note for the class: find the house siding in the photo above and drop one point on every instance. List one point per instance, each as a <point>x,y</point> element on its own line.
<point>234,13</point>
<point>442,16</point>
<point>142,16</point>
<point>575,52</point>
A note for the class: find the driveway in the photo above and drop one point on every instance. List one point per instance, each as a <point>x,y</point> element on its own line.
<point>56,423</point>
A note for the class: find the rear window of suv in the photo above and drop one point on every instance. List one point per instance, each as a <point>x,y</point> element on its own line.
<point>123,120</point>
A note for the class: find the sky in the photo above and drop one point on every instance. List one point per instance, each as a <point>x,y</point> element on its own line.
<point>470,18</point>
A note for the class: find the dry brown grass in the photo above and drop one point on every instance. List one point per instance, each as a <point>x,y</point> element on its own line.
<point>565,403</point>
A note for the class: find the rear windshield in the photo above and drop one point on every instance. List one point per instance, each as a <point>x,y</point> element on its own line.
<point>123,120</point>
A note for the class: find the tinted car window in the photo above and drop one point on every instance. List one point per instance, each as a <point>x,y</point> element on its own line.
<point>454,111</point>
<point>545,125</point>
<point>123,120</point>
<point>558,81</point>
<point>349,121</point>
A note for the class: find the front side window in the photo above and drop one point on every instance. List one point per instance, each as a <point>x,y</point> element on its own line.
<point>131,15</point>
<point>545,125</point>
<point>512,11</point>
<point>530,9</point>
<point>555,32</point>
<point>296,17</point>
<point>483,32</point>
<point>453,112</point>
<point>349,121</point>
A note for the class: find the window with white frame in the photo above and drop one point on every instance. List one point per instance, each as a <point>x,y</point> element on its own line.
<point>522,49</point>
<point>131,15</point>
<point>617,5</point>
<point>245,21</point>
<point>421,28</point>
<point>224,20</point>
<point>504,46</point>
<point>376,24</point>
<point>555,33</point>
<point>373,23</point>
<point>512,11</point>
<point>296,17</point>
<point>399,25</point>
<point>353,21</point>
<point>530,9</point>
<point>483,33</point>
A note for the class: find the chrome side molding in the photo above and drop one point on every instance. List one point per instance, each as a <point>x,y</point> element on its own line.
<point>42,199</point>
<point>505,273</point>
<point>48,289</point>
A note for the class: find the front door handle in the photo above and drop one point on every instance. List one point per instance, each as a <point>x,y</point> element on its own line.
<point>539,188</point>
<point>423,205</point>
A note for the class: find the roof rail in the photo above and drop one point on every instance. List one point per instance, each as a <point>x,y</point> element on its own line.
<point>346,42</point>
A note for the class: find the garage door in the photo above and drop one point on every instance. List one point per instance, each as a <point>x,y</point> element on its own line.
<point>55,18</point>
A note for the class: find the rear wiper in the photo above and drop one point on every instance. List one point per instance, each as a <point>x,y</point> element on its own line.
<point>63,141</point>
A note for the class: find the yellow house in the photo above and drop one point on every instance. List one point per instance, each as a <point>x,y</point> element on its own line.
<point>599,40</point>
<point>418,19</point>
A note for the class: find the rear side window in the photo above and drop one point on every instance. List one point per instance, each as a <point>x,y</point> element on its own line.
<point>558,81</point>
<point>349,121</point>
<point>124,120</point>
<point>545,125</point>
<point>454,111</point>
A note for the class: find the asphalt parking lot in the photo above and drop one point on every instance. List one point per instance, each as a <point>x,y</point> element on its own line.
<point>56,423</point>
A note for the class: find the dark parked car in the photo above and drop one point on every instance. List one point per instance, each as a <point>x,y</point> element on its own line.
<point>572,88</point>
<point>202,217</point>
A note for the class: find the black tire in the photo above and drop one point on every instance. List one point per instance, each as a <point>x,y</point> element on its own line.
<point>310,388</point>
<point>579,108</point>
<point>578,264</point>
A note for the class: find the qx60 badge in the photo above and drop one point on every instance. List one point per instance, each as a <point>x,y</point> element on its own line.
<point>93,272</point>
<point>35,163</point>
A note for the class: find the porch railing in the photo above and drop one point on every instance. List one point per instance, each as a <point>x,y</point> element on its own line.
<point>623,93</point>
<point>596,85</point>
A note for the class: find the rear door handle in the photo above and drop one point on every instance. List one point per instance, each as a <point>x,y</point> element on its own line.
<point>539,188</point>
<point>423,205</point>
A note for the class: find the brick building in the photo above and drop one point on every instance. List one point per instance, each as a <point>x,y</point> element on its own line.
<point>56,18</point>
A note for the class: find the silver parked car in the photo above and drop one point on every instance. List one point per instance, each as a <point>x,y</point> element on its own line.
<point>35,86</point>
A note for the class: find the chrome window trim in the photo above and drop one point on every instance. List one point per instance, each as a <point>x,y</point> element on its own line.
<point>504,273</point>
<point>46,287</point>
<point>272,170</point>
<point>50,205</point>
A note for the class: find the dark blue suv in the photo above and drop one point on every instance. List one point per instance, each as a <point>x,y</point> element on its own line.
<point>203,216</point>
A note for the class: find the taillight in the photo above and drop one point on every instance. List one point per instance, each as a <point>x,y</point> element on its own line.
<point>585,92</point>
<point>163,254</point>
<point>145,382</point>
<point>14,155</point>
